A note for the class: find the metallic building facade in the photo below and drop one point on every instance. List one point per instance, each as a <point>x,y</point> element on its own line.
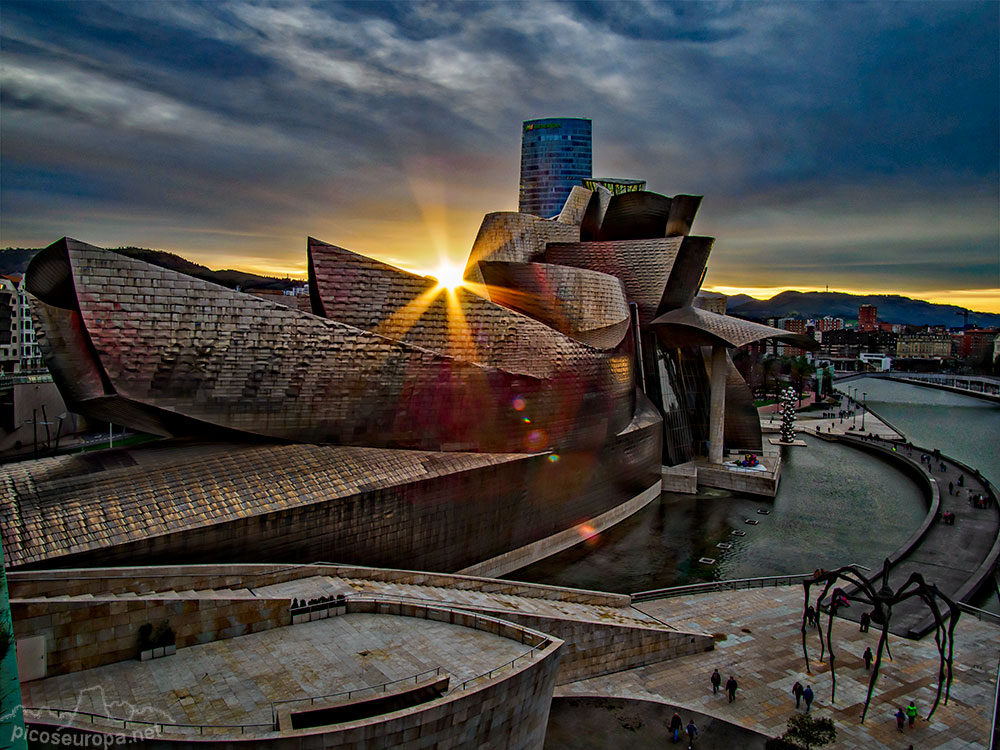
<point>556,154</point>
<point>396,424</point>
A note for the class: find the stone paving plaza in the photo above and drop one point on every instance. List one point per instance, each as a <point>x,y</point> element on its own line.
<point>233,681</point>
<point>761,648</point>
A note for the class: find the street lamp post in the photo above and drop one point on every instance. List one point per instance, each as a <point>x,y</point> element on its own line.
<point>864,407</point>
<point>854,412</point>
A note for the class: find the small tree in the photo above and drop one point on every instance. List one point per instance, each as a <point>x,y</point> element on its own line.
<point>804,733</point>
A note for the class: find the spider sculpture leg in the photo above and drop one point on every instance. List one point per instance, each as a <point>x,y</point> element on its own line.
<point>883,645</point>
<point>805,608</point>
<point>916,586</point>
<point>848,573</point>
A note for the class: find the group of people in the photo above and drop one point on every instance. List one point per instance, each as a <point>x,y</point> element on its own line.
<point>947,518</point>
<point>979,500</point>
<point>803,694</point>
<point>676,723</point>
<point>907,715</point>
<point>731,685</point>
<point>933,461</point>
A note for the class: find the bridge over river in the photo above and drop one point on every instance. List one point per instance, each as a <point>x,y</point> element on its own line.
<point>983,387</point>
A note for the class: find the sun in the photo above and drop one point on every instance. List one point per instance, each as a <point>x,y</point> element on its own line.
<point>448,275</point>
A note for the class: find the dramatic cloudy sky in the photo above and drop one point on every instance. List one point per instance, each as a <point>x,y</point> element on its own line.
<point>846,144</point>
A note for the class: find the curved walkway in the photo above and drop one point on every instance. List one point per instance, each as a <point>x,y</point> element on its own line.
<point>759,643</point>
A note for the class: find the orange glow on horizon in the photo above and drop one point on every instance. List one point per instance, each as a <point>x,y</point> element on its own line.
<point>978,300</point>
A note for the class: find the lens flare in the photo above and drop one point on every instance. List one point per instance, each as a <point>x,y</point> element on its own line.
<point>554,458</point>
<point>518,403</point>
<point>536,440</point>
<point>448,275</point>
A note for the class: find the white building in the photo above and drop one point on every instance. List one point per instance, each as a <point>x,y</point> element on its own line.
<point>18,349</point>
<point>881,362</point>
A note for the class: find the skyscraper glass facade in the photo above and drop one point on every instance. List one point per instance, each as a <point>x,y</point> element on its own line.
<point>556,154</point>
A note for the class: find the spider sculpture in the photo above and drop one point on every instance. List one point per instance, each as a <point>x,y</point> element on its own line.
<point>881,598</point>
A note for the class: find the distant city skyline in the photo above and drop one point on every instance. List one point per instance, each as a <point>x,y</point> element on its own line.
<point>848,145</point>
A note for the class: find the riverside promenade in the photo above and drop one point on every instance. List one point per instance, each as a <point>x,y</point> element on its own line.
<point>758,641</point>
<point>958,558</point>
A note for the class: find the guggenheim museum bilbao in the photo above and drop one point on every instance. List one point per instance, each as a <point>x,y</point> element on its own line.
<point>400,423</point>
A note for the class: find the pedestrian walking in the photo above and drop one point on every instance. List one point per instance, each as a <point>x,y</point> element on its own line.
<point>868,656</point>
<point>911,714</point>
<point>675,726</point>
<point>900,720</point>
<point>810,614</point>
<point>807,696</point>
<point>797,692</point>
<point>731,686</point>
<point>951,488</point>
<point>716,681</point>
<point>692,731</point>
<point>866,621</point>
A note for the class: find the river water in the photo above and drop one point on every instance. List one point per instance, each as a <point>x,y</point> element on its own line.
<point>835,505</point>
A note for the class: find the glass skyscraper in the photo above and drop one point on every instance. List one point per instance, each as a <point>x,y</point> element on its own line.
<point>556,154</point>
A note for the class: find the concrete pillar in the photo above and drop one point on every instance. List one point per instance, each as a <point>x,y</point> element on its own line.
<point>717,403</point>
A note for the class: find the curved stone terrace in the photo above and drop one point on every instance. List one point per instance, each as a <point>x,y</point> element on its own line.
<point>236,686</point>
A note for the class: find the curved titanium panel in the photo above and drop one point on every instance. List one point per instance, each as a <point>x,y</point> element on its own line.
<point>701,327</point>
<point>635,216</point>
<point>48,276</point>
<point>642,266</point>
<point>587,305</point>
<point>590,227</point>
<point>575,207</point>
<point>685,276</point>
<point>657,274</point>
<point>682,211</point>
<point>207,353</point>
<point>385,300</point>
<point>180,501</point>
<point>515,237</point>
<point>741,430</point>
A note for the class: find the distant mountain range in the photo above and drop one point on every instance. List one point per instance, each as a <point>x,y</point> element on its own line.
<point>15,260</point>
<point>892,308</point>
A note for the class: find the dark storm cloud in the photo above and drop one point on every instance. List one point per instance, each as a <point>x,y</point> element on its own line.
<point>273,120</point>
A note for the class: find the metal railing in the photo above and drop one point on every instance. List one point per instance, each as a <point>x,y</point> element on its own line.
<point>980,614</point>
<point>731,584</point>
<point>529,654</point>
<point>159,725</point>
<point>348,694</point>
<point>994,729</point>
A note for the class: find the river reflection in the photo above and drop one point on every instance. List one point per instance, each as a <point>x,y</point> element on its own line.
<point>835,505</point>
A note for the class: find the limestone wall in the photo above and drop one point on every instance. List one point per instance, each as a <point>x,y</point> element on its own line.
<point>593,649</point>
<point>90,633</point>
<point>144,580</point>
